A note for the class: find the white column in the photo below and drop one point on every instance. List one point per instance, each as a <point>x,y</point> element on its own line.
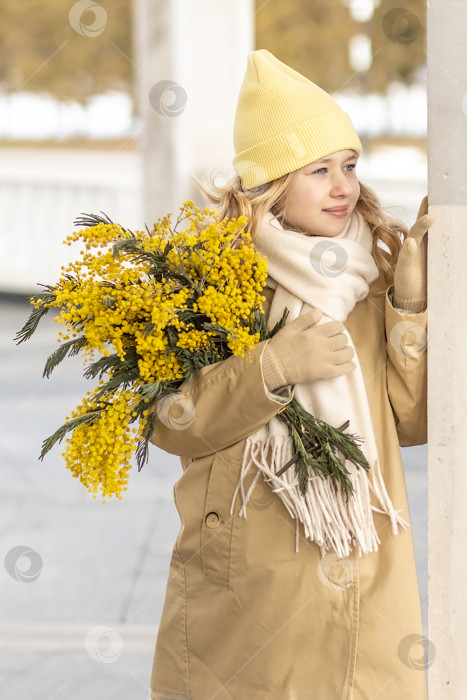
<point>447,349</point>
<point>201,47</point>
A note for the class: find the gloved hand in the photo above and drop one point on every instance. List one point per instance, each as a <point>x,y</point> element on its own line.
<point>302,351</point>
<point>410,272</point>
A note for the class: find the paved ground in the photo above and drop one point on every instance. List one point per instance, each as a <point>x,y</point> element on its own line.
<point>85,626</point>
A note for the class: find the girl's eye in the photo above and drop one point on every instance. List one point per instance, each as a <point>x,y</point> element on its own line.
<point>321,171</point>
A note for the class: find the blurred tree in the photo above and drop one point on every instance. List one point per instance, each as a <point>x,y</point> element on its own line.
<point>398,36</point>
<point>45,49</point>
<point>312,36</point>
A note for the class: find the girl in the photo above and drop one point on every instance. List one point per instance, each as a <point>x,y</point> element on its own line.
<point>323,604</point>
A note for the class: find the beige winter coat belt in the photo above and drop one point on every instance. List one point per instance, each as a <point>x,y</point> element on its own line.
<point>245,616</point>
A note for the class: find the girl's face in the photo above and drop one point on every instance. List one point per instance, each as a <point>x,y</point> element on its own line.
<point>323,194</point>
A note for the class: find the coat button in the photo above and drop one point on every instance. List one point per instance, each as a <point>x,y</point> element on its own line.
<point>212,520</point>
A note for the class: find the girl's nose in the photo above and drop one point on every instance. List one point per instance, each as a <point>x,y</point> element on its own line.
<point>340,186</point>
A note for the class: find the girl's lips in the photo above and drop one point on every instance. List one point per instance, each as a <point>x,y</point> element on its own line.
<point>339,212</point>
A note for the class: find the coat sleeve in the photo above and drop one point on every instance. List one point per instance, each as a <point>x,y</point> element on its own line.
<point>406,342</point>
<point>223,403</point>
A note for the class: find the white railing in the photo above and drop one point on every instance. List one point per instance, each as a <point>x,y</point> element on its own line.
<point>43,191</point>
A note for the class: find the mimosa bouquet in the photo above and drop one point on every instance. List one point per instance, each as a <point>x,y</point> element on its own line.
<point>147,310</point>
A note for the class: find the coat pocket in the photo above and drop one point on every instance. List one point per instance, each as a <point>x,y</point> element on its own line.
<point>217,525</point>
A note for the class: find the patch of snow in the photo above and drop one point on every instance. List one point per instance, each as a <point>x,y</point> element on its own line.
<point>393,163</point>
<point>32,116</point>
<point>402,111</point>
<point>35,116</point>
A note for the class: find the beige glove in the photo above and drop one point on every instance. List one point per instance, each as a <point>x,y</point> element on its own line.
<point>302,351</point>
<point>410,286</point>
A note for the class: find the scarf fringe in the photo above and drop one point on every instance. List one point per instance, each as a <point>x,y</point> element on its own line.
<point>327,519</point>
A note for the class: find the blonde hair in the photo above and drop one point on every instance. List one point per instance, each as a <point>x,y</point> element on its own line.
<point>232,201</point>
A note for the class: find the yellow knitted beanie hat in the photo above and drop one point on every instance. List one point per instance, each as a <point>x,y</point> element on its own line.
<point>284,121</point>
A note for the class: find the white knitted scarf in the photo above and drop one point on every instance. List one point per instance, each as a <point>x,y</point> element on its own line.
<point>331,273</point>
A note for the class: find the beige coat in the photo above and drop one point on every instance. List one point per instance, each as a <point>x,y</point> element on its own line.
<point>246,617</point>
